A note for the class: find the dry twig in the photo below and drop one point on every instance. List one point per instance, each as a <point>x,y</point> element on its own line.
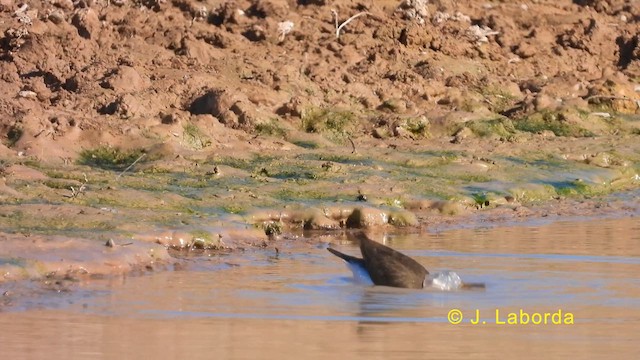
<point>76,192</point>
<point>130,166</point>
<point>339,27</point>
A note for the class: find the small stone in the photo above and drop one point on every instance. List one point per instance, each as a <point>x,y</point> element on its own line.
<point>57,16</point>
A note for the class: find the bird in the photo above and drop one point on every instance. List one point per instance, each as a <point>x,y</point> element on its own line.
<point>383,266</point>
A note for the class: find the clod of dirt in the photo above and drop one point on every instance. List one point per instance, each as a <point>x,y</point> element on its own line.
<point>6,5</point>
<point>268,9</point>
<point>87,22</point>
<point>526,50</point>
<point>293,107</point>
<point>63,4</point>
<point>126,79</point>
<point>233,110</point>
<point>126,106</point>
<point>543,101</point>
<point>610,7</point>
<point>227,13</point>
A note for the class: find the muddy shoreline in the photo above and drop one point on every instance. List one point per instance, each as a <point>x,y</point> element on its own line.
<point>41,266</point>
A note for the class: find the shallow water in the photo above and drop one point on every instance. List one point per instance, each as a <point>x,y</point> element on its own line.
<point>302,302</point>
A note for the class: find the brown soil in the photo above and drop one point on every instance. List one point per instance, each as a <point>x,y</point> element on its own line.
<point>130,73</point>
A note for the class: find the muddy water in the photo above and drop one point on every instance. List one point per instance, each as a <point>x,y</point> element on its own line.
<point>302,303</point>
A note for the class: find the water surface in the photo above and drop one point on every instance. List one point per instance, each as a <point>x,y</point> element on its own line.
<point>301,302</point>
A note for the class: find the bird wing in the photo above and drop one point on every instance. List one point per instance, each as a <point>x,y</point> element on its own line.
<point>388,267</point>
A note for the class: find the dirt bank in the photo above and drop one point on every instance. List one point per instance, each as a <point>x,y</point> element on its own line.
<point>130,74</point>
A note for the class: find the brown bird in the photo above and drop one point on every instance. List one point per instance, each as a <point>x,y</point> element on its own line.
<point>381,265</point>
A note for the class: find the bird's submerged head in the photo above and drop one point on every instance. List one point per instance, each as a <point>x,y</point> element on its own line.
<point>444,280</point>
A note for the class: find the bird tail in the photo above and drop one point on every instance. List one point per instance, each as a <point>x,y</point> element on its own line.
<point>345,257</point>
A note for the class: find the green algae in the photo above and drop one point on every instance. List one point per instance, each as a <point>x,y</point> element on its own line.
<point>502,127</point>
<point>334,124</point>
<point>271,128</point>
<point>57,184</point>
<point>202,239</point>
<point>109,158</point>
<point>499,100</point>
<point>234,209</point>
<point>299,194</point>
<point>250,164</point>
<point>556,122</point>
<point>306,144</point>
<point>309,176</point>
<point>418,126</point>
<point>50,225</point>
<point>575,187</point>
<point>194,137</point>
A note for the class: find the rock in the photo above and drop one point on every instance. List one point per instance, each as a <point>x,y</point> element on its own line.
<point>216,102</point>
<point>228,13</point>
<point>615,92</point>
<point>362,218</point>
<point>318,221</point>
<point>403,218</point>
<point>171,117</point>
<point>57,16</point>
<point>338,213</point>
<point>396,106</point>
